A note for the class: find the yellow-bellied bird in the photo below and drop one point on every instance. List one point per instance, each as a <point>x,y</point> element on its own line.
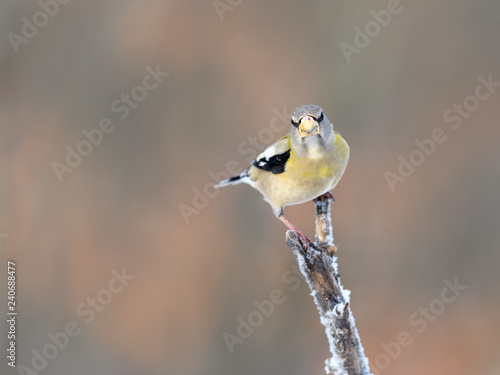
<point>303,165</point>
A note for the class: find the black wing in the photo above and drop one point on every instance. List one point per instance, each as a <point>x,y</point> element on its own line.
<point>275,164</point>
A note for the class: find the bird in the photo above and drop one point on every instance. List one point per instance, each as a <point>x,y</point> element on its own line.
<point>301,166</point>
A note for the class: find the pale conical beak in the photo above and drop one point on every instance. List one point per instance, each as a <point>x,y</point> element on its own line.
<point>308,127</point>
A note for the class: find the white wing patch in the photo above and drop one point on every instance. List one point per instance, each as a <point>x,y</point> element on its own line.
<point>274,158</point>
<point>277,148</point>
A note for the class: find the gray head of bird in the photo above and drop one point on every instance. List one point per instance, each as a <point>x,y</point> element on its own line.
<point>310,129</point>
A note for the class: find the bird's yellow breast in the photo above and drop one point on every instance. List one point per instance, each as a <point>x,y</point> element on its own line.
<point>304,178</point>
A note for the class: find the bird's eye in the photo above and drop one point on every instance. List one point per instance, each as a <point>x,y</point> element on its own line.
<point>321,117</point>
<point>294,123</point>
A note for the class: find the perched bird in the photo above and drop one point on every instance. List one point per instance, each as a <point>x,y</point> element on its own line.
<point>303,165</point>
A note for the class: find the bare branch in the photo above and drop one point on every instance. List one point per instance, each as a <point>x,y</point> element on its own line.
<point>319,267</point>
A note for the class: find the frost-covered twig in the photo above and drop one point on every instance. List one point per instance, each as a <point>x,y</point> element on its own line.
<point>319,267</point>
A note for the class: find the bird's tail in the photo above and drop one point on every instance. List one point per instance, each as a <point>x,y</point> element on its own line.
<point>243,177</point>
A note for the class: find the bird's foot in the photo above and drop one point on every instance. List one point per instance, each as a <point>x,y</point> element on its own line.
<point>306,241</point>
<point>328,194</point>
<point>303,238</point>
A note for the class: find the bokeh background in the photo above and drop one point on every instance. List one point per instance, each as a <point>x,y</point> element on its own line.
<point>121,207</point>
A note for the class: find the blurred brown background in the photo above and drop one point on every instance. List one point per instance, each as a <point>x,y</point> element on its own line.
<point>121,206</point>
